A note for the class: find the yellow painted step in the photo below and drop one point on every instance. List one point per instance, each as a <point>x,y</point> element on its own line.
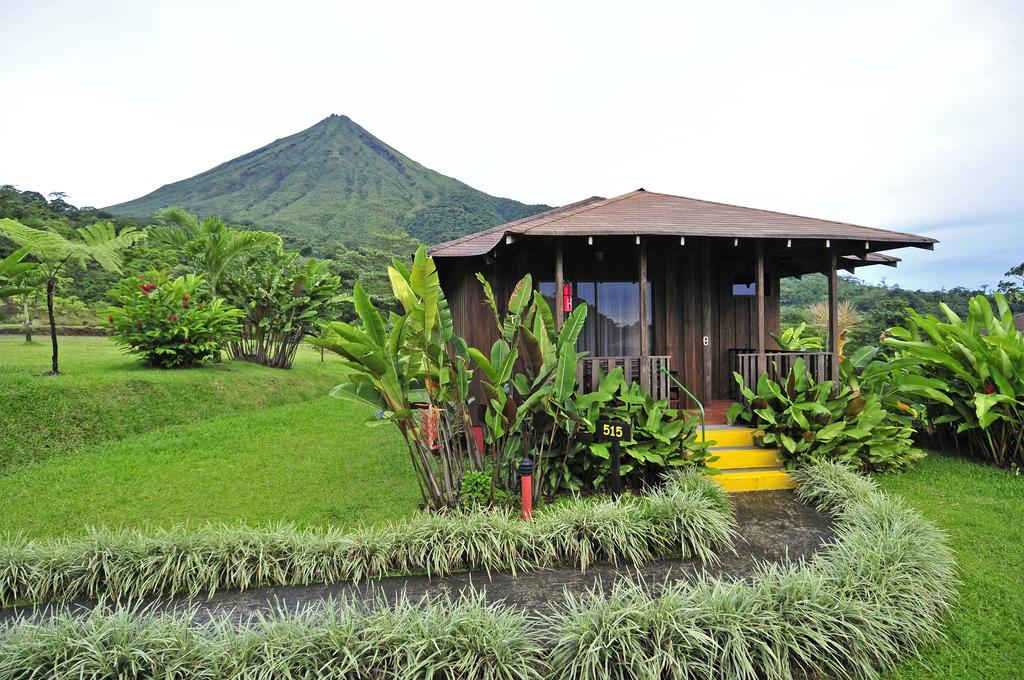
<point>743,457</point>
<point>730,436</point>
<point>754,480</point>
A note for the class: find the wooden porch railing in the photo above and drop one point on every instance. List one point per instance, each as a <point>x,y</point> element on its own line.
<point>744,362</point>
<point>647,370</point>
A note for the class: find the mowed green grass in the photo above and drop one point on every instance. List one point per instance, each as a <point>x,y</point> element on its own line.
<point>104,395</point>
<point>240,442</point>
<point>309,462</point>
<point>982,509</point>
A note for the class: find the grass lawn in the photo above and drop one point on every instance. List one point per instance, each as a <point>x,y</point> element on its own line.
<point>113,443</point>
<point>104,395</point>
<point>982,508</point>
<point>238,452</point>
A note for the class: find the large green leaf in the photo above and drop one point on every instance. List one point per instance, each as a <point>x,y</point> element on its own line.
<point>565,376</point>
<point>484,363</point>
<point>546,318</point>
<point>361,393</point>
<point>402,290</point>
<point>520,295</point>
<point>368,314</point>
<point>572,328</point>
<point>489,297</point>
<point>984,403</point>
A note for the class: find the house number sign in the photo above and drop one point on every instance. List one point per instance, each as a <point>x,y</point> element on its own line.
<point>614,431</point>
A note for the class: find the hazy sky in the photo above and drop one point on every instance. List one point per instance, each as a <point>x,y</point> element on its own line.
<point>905,115</point>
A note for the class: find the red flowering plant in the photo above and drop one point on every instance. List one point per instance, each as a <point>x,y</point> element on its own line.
<point>167,322</point>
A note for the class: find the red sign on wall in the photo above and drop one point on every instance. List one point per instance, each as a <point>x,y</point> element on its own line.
<point>567,298</point>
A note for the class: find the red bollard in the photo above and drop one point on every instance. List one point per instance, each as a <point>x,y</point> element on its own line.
<point>526,481</point>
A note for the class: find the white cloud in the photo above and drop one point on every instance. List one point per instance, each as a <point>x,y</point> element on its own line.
<point>893,114</point>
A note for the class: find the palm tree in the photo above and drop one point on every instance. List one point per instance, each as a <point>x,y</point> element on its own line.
<point>210,244</point>
<point>99,242</point>
<point>849,315</point>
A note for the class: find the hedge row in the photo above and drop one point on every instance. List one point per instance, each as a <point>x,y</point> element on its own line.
<point>880,591</point>
<point>689,515</point>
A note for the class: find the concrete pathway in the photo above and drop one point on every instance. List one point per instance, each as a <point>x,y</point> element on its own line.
<point>772,526</point>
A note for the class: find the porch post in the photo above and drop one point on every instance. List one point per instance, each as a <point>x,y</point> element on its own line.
<point>645,364</point>
<point>559,285</point>
<point>762,365</point>
<point>833,314</point>
<point>707,295</point>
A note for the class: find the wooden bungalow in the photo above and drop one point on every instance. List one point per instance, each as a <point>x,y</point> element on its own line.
<point>672,283</point>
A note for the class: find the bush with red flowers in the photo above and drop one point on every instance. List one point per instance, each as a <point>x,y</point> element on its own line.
<point>167,322</point>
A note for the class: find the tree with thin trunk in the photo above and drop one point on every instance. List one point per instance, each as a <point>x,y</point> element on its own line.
<point>99,242</point>
<point>12,270</point>
<point>208,244</point>
<point>32,283</point>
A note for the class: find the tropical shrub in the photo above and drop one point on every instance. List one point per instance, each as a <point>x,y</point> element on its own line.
<point>414,372</point>
<point>688,515</point>
<point>475,489</point>
<point>283,300</point>
<point>661,438</point>
<point>792,339</point>
<point>811,422</point>
<point>878,592</point>
<point>529,381</point>
<point>170,322</point>
<point>980,361</point>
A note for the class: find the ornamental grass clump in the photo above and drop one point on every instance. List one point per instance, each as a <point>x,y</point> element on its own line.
<point>830,487</point>
<point>877,593</point>
<point>464,638</point>
<point>694,514</point>
<point>689,517</point>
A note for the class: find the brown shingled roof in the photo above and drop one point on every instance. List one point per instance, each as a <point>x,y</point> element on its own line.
<point>646,213</point>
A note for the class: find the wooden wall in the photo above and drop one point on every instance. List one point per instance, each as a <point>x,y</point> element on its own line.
<point>691,288</point>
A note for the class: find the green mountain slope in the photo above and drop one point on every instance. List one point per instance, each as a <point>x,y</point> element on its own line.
<point>337,182</point>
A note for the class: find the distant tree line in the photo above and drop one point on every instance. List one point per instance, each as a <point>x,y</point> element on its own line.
<point>366,262</point>
<point>877,306</point>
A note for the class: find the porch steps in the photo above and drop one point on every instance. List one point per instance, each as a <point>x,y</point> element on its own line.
<point>744,466</point>
<point>739,457</point>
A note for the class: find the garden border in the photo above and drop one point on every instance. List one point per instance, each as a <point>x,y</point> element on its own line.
<point>689,515</point>
<point>878,593</point>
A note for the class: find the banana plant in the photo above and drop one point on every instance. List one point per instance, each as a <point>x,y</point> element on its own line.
<point>529,378</point>
<point>411,365</point>
<point>980,361</point>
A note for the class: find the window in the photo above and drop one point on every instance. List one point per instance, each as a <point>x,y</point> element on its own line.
<point>744,289</point>
<point>748,288</point>
<point>613,321</point>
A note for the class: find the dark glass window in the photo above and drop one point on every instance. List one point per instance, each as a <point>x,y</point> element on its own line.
<point>613,322</point>
<point>744,289</point>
